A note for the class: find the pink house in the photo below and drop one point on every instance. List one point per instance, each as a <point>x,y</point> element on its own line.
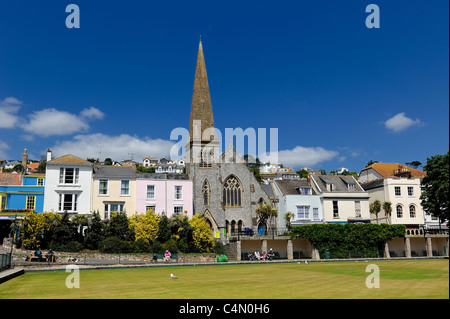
<point>164,193</point>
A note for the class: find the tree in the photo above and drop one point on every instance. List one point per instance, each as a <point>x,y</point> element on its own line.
<point>435,195</point>
<point>303,173</point>
<point>163,234</point>
<point>118,227</point>
<point>387,207</point>
<point>414,164</point>
<point>375,208</point>
<point>287,218</point>
<point>370,163</point>
<point>145,226</point>
<point>265,214</point>
<point>33,227</point>
<point>95,232</point>
<point>201,234</point>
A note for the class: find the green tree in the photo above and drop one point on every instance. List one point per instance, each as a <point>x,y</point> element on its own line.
<point>118,226</point>
<point>387,207</point>
<point>414,164</point>
<point>375,208</point>
<point>265,214</point>
<point>303,173</point>
<point>287,219</point>
<point>95,232</point>
<point>370,163</point>
<point>164,231</point>
<point>435,195</point>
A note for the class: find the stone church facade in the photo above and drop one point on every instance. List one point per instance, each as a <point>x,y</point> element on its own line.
<point>226,191</point>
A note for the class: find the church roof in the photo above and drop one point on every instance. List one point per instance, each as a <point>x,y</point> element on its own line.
<point>201,108</point>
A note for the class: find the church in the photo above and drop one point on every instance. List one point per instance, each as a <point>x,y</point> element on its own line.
<point>226,191</point>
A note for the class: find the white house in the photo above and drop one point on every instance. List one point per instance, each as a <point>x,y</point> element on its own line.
<point>299,198</point>
<point>68,185</point>
<point>343,198</point>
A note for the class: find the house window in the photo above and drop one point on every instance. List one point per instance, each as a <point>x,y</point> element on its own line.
<point>178,192</point>
<point>315,213</point>
<point>412,211</point>
<point>31,202</point>
<point>178,209</point>
<point>113,208</point>
<point>399,211</point>
<point>103,187</point>
<point>206,191</point>
<point>303,212</point>
<point>335,209</point>
<point>40,181</point>
<point>357,208</point>
<point>232,192</point>
<point>410,191</point>
<point>68,175</point>
<point>150,191</point>
<point>125,187</point>
<point>68,202</point>
<point>398,191</point>
<point>351,186</point>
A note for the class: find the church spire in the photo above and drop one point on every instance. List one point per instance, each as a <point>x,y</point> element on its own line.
<point>201,108</point>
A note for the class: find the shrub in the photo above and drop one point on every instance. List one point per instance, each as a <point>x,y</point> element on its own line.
<point>114,245</point>
<point>71,246</point>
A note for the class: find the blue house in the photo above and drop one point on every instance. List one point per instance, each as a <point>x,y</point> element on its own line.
<point>21,192</point>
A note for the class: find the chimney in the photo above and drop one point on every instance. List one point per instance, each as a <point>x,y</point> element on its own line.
<point>49,155</point>
<point>24,160</point>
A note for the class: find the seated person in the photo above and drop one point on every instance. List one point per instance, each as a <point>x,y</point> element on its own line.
<point>49,256</point>
<point>167,256</point>
<point>38,253</point>
<point>271,254</point>
<point>264,256</point>
<point>257,255</point>
<point>250,256</point>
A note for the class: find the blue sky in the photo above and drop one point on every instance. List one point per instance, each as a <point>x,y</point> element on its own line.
<point>339,93</point>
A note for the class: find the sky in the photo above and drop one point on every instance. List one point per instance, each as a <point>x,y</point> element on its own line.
<point>339,93</point>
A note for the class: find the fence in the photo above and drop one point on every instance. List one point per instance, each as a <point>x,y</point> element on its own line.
<point>5,261</point>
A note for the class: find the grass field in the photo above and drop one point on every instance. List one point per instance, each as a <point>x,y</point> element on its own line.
<point>398,279</point>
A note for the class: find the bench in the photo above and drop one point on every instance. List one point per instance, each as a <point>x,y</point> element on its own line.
<point>160,256</point>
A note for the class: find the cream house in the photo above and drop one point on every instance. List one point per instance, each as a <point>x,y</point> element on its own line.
<point>400,185</point>
<point>343,199</point>
<point>114,190</point>
<point>404,194</point>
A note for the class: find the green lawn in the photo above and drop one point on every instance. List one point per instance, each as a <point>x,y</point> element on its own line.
<point>398,279</point>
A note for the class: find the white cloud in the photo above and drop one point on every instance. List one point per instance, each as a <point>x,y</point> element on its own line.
<point>400,122</point>
<point>92,113</point>
<point>300,156</point>
<point>49,122</point>
<point>118,147</point>
<point>8,109</point>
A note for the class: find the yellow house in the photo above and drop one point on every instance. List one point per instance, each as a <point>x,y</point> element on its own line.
<point>114,190</point>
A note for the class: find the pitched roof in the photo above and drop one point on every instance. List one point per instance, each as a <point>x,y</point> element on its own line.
<point>69,158</point>
<point>10,179</point>
<point>388,169</point>
<point>340,183</point>
<point>290,187</point>
<point>115,171</point>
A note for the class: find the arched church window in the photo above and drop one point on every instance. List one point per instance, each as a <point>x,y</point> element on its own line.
<point>206,192</point>
<point>232,192</point>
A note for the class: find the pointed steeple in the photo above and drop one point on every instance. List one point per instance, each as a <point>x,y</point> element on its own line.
<point>201,108</point>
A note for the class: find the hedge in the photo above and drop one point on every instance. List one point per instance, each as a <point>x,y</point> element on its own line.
<point>343,240</point>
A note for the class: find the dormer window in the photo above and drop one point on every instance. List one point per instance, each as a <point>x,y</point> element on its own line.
<point>351,186</point>
<point>329,187</point>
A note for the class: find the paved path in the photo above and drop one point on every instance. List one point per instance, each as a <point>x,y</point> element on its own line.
<point>8,274</point>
